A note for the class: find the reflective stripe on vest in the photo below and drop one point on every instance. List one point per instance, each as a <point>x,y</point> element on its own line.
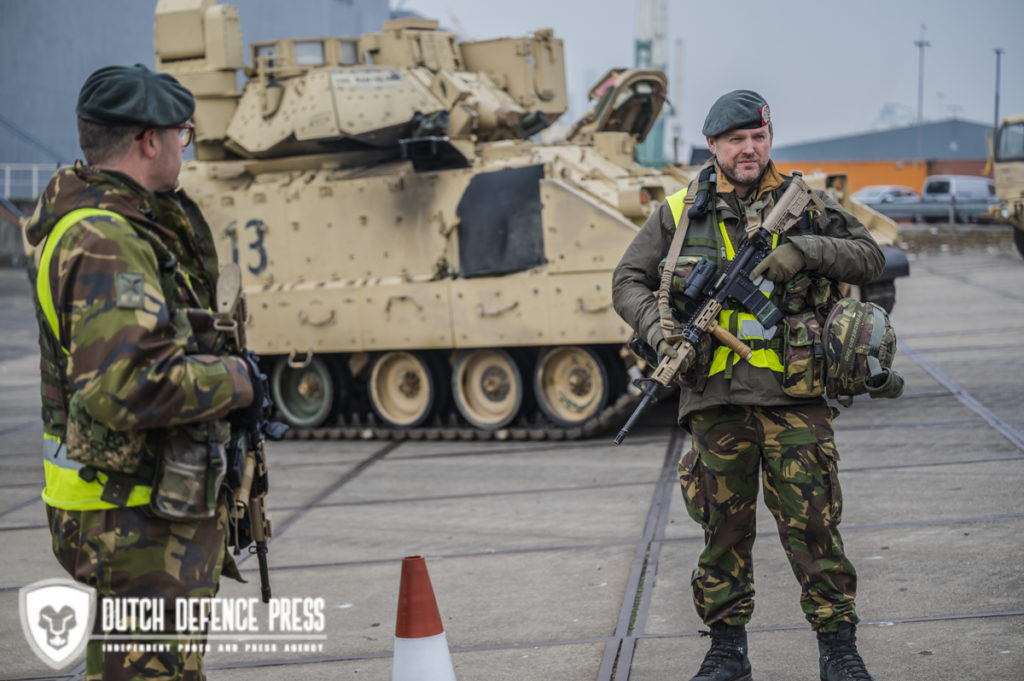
<point>64,488</point>
<point>743,325</point>
<point>675,204</point>
<point>43,292</point>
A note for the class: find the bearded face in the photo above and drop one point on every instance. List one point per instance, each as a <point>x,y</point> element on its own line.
<point>742,155</point>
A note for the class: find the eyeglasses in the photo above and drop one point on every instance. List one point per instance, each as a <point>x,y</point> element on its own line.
<point>186,132</point>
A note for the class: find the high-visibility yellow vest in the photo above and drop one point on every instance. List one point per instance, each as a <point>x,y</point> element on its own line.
<point>741,324</point>
<point>65,488</point>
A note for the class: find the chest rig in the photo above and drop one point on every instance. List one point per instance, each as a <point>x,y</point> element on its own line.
<point>703,236</point>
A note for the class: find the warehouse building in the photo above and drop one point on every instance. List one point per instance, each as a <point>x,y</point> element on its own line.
<point>904,156</point>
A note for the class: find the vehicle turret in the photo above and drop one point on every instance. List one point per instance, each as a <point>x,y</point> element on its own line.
<point>410,89</point>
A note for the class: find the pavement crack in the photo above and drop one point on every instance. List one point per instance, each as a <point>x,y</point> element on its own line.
<point>618,657</point>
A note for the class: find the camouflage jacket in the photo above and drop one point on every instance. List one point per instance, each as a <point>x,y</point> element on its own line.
<point>123,296</point>
<point>839,247</point>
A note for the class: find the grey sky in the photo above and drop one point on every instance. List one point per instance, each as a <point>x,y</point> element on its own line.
<point>827,68</point>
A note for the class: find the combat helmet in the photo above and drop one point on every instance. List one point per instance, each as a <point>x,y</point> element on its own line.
<point>860,344</point>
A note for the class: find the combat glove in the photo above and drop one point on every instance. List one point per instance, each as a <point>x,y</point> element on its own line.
<point>666,349</point>
<point>656,339</point>
<point>780,265</point>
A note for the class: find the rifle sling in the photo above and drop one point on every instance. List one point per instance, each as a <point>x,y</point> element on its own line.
<point>674,249</point>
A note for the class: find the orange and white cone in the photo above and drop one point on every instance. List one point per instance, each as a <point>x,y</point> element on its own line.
<point>421,648</point>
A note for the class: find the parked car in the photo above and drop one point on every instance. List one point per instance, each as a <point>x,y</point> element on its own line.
<point>965,198</point>
<point>891,200</point>
<point>959,188</point>
<point>885,193</point>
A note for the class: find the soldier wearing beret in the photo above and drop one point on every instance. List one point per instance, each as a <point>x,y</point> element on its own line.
<point>759,417</point>
<point>132,381</point>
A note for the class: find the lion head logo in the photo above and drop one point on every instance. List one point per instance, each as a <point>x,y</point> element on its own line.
<point>57,624</point>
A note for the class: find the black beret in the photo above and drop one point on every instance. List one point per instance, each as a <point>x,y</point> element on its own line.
<point>126,95</point>
<point>737,110</point>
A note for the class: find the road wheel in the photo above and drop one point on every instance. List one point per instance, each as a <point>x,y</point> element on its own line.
<point>403,388</point>
<point>488,388</point>
<point>308,394</point>
<point>1018,238</point>
<point>571,385</point>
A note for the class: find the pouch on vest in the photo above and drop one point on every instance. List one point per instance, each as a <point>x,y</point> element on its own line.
<point>93,444</point>
<point>806,301</point>
<point>190,471</point>
<point>808,291</point>
<point>803,359</point>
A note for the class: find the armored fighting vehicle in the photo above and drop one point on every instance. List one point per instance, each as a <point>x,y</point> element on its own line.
<point>1009,176</point>
<point>414,264</point>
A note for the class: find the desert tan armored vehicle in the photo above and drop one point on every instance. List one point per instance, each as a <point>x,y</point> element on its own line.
<point>1009,176</point>
<point>882,291</point>
<point>414,265</point>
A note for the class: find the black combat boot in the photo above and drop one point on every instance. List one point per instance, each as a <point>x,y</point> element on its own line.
<point>839,659</point>
<point>727,658</point>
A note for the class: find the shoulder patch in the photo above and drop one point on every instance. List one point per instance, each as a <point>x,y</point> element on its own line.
<point>130,291</point>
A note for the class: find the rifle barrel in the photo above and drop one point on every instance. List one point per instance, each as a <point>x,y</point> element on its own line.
<point>648,396</point>
<point>261,557</point>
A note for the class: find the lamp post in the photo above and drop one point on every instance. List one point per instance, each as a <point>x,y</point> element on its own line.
<point>921,44</point>
<point>999,54</point>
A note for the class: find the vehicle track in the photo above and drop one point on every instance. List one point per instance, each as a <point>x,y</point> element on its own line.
<point>610,417</point>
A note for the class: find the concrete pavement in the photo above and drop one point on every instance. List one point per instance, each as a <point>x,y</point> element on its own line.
<point>571,560</point>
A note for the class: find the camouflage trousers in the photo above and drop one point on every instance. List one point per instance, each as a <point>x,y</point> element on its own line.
<point>129,552</point>
<point>793,450</point>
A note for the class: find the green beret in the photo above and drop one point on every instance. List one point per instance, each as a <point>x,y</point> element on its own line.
<point>737,110</point>
<point>127,95</point>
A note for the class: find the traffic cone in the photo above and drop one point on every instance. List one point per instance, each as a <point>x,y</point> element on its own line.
<point>421,648</point>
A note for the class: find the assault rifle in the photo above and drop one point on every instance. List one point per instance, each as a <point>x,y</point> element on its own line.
<point>711,293</point>
<point>246,450</point>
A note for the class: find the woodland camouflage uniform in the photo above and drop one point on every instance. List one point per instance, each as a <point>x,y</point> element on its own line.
<point>744,425</point>
<point>135,367</point>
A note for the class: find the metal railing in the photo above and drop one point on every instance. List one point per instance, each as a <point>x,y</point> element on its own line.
<point>24,180</point>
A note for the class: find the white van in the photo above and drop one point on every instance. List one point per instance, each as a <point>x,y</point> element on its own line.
<point>959,188</point>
